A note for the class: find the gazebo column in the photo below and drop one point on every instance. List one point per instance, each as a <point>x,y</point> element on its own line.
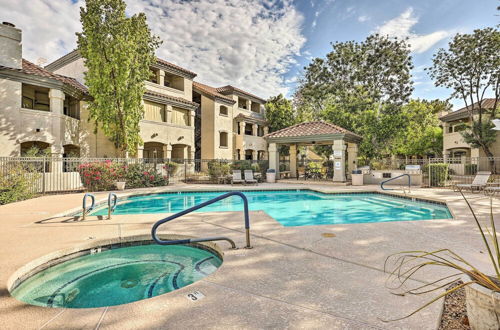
<point>339,149</point>
<point>293,160</point>
<point>274,158</point>
<point>352,156</point>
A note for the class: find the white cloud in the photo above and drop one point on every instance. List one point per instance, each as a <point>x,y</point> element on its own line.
<point>48,26</point>
<point>363,18</point>
<point>245,43</point>
<point>401,27</point>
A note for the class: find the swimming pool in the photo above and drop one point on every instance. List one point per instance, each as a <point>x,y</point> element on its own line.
<point>293,207</point>
<point>117,276</point>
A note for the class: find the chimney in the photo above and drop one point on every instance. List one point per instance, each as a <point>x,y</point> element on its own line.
<point>11,52</point>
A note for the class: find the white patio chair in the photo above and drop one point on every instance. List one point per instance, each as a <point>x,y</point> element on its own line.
<point>249,177</point>
<point>478,184</point>
<point>237,177</point>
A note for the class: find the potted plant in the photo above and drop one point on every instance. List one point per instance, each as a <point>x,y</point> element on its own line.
<point>121,173</point>
<point>482,290</point>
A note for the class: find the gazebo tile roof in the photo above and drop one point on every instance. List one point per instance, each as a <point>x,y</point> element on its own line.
<point>310,129</point>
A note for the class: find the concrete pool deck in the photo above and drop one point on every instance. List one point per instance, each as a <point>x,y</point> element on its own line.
<point>294,277</point>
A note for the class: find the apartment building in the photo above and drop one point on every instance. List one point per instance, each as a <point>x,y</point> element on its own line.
<point>47,108</point>
<point>167,128</point>
<point>454,145</point>
<point>231,123</point>
<point>37,107</point>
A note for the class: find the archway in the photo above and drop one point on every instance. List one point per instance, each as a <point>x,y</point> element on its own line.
<point>71,151</point>
<point>179,151</point>
<point>153,150</point>
<point>34,149</point>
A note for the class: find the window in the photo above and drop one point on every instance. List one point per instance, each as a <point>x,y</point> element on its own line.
<point>180,116</point>
<point>36,98</point>
<point>248,129</point>
<point>223,139</point>
<point>154,111</point>
<point>242,103</point>
<point>223,111</point>
<point>255,107</point>
<point>174,81</point>
<point>71,107</point>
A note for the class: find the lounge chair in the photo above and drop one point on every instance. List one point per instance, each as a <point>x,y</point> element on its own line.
<point>237,178</point>
<point>478,184</point>
<point>249,177</point>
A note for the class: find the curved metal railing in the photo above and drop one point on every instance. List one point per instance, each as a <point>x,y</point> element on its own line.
<point>86,210</point>
<point>396,177</point>
<point>197,207</point>
<point>112,198</point>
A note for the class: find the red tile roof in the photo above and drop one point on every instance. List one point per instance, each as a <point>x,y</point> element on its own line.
<point>231,89</point>
<point>464,112</point>
<point>171,98</point>
<point>212,91</point>
<point>35,70</point>
<point>173,66</point>
<point>310,129</point>
<point>75,54</point>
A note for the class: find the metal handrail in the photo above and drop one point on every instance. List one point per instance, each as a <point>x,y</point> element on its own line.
<point>199,206</point>
<point>84,204</point>
<point>396,177</point>
<point>111,208</point>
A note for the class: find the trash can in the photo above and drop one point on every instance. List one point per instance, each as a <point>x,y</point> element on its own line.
<point>271,175</point>
<point>357,178</point>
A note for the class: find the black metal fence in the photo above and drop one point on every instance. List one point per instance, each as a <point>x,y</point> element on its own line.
<point>47,175</point>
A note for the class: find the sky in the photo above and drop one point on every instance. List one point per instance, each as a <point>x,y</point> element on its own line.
<point>262,46</point>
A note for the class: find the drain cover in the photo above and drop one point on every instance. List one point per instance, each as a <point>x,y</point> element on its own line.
<point>328,235</point>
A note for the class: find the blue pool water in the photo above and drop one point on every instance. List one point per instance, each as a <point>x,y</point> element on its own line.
<point>293,208</point>
<point>117,276</point>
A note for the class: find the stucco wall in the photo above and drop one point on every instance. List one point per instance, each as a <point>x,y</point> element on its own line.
<point>10,118</point>
<point>75,69</point>
<point>207,128</point>
<point>94,145</point>
<point>223,124</point>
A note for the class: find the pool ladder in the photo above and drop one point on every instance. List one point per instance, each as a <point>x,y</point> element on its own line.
<point>197,207</point>
<point>112,201</point>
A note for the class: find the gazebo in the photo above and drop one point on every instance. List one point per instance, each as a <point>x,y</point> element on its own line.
<point>316,133</point>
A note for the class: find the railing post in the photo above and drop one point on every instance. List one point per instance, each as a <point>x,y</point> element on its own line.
<point>44,165</point>
<point>199,206</point>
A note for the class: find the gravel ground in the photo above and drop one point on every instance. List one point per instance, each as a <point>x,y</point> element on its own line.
<point>455,312</point>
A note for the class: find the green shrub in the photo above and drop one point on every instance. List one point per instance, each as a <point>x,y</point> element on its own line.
<point>470,169</point>
<point>438,174</point>
<point>217,169</point>
<point>15,184</point>
<point>241,165</point>
<point>101,176</point>
<point>141,175</point>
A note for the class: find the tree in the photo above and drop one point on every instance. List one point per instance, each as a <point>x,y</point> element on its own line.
<point>279,113</point>
<point>378,126</point>
<point>118,52</point>
<point>421,134</point>
<point>471,69</point>
<point>379,67</point>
